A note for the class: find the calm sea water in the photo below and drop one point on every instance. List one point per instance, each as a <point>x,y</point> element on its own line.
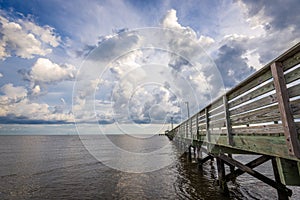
<point>37,166</point>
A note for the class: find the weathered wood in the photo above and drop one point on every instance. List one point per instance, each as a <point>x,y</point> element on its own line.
<point>270,129</point>
<point>288,171</point>
<point>217,123</point>
<point>270,99</point>
<point>227,121</point>
<point>197,125</point>
<point>294,91</point>
<point>219,132</point>
<point>254,163</point>
<point>252,95</point>
<point>282,195</point>
<point>217,110</point>
<point>207,125</point>
<point>221,176</point>
<point>285,111</point>
<point>268,114</point>
<point>217,117</point>
<point>247,85</point>
<point>274,146</point>
<point>215,104</point>
<point>278,186</point>
<point>292,75</point>
<point>291,62</point>
<point>203,160</point>
<point>295,106</point>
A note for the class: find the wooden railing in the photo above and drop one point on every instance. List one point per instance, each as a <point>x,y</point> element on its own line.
<point>261,114</point>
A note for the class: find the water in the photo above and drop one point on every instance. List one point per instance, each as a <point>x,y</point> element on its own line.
<point>61,167</point>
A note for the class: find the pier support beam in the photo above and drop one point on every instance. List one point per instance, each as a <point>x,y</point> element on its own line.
<point>283,191</point>
<point>221,176</point>
<point>281,195</point>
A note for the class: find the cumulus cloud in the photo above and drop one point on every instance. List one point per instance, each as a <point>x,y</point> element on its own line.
<point>12,94</point>
<point>275,13</point>
<point>25,38</point>
<point>280,30</point>
<point>15,104</point>
<point>45,71</point>
<point>146,75</point>
<point>231,60</point>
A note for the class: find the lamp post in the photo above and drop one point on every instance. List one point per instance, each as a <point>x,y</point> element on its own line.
<point>171,123</point>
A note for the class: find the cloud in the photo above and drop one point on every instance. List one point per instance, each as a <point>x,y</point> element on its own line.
<point>16,105</point>
<point>1,75</point>
<point>275,13</point>
<point>146,75</point>
<point>232,62</point>
<point>280,30</point>
<point>12,94</point>
<point>45,71</point>
<point>25,39</point>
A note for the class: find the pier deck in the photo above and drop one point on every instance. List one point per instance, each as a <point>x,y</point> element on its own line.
<point>260,116</point>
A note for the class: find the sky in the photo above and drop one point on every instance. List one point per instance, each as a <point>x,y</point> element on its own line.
<point>132,61</point>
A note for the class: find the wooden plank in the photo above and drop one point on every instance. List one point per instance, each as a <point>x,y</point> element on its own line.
<point>217,117</point>
<point>201,117</point>
<point>221,176</point>
<point>217,103</point>
<point>261,129</point>
<point>278,186</point>
<point>285,111</point>
<point>219,132</point>
<point>273,146</point>
<point>227,121</point>
<point>255,93</point>
<point>292,75</point>
<point>254,105</point>
<point>218,123</point>
<point>288,171</point>
<point>256,162</point>
<point>291,62</point>
<point>294,91</point>
<point>207,124</point>
<point>258,79</point>
<point>295,106</point>
<point>268,114</point>
<point>217,110</point>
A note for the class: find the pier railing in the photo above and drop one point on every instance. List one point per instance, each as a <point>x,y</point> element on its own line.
<point>260,115</point>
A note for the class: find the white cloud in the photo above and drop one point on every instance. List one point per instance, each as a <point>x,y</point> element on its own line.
<point>15,102</point>
<point>12,94</point>
<point>45,71</point>
<point>146,84</point>
<point>25,39</point>
<point>36,90</point>
<point>171,20</point>
<point>46,33</point>
<point>1,75</point>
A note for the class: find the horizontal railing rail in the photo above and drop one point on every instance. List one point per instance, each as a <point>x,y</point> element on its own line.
<point>261,114</point>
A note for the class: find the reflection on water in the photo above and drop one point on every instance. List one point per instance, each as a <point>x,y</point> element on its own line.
<point>59,167</point>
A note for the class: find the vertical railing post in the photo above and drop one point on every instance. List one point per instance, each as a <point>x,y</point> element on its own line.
<point>207,125</point>
<point>288,123</point>
<point>197,126</point>
<point>227,121</point>
<point>191,127</point>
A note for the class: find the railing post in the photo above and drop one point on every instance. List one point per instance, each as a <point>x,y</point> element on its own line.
<point>288,123</point>
<point>227,121</point>
<point>191,127</point>
<point>207,125</point>
<point>197,126</point>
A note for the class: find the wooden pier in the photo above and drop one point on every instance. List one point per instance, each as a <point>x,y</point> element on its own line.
<point>259,116</point>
